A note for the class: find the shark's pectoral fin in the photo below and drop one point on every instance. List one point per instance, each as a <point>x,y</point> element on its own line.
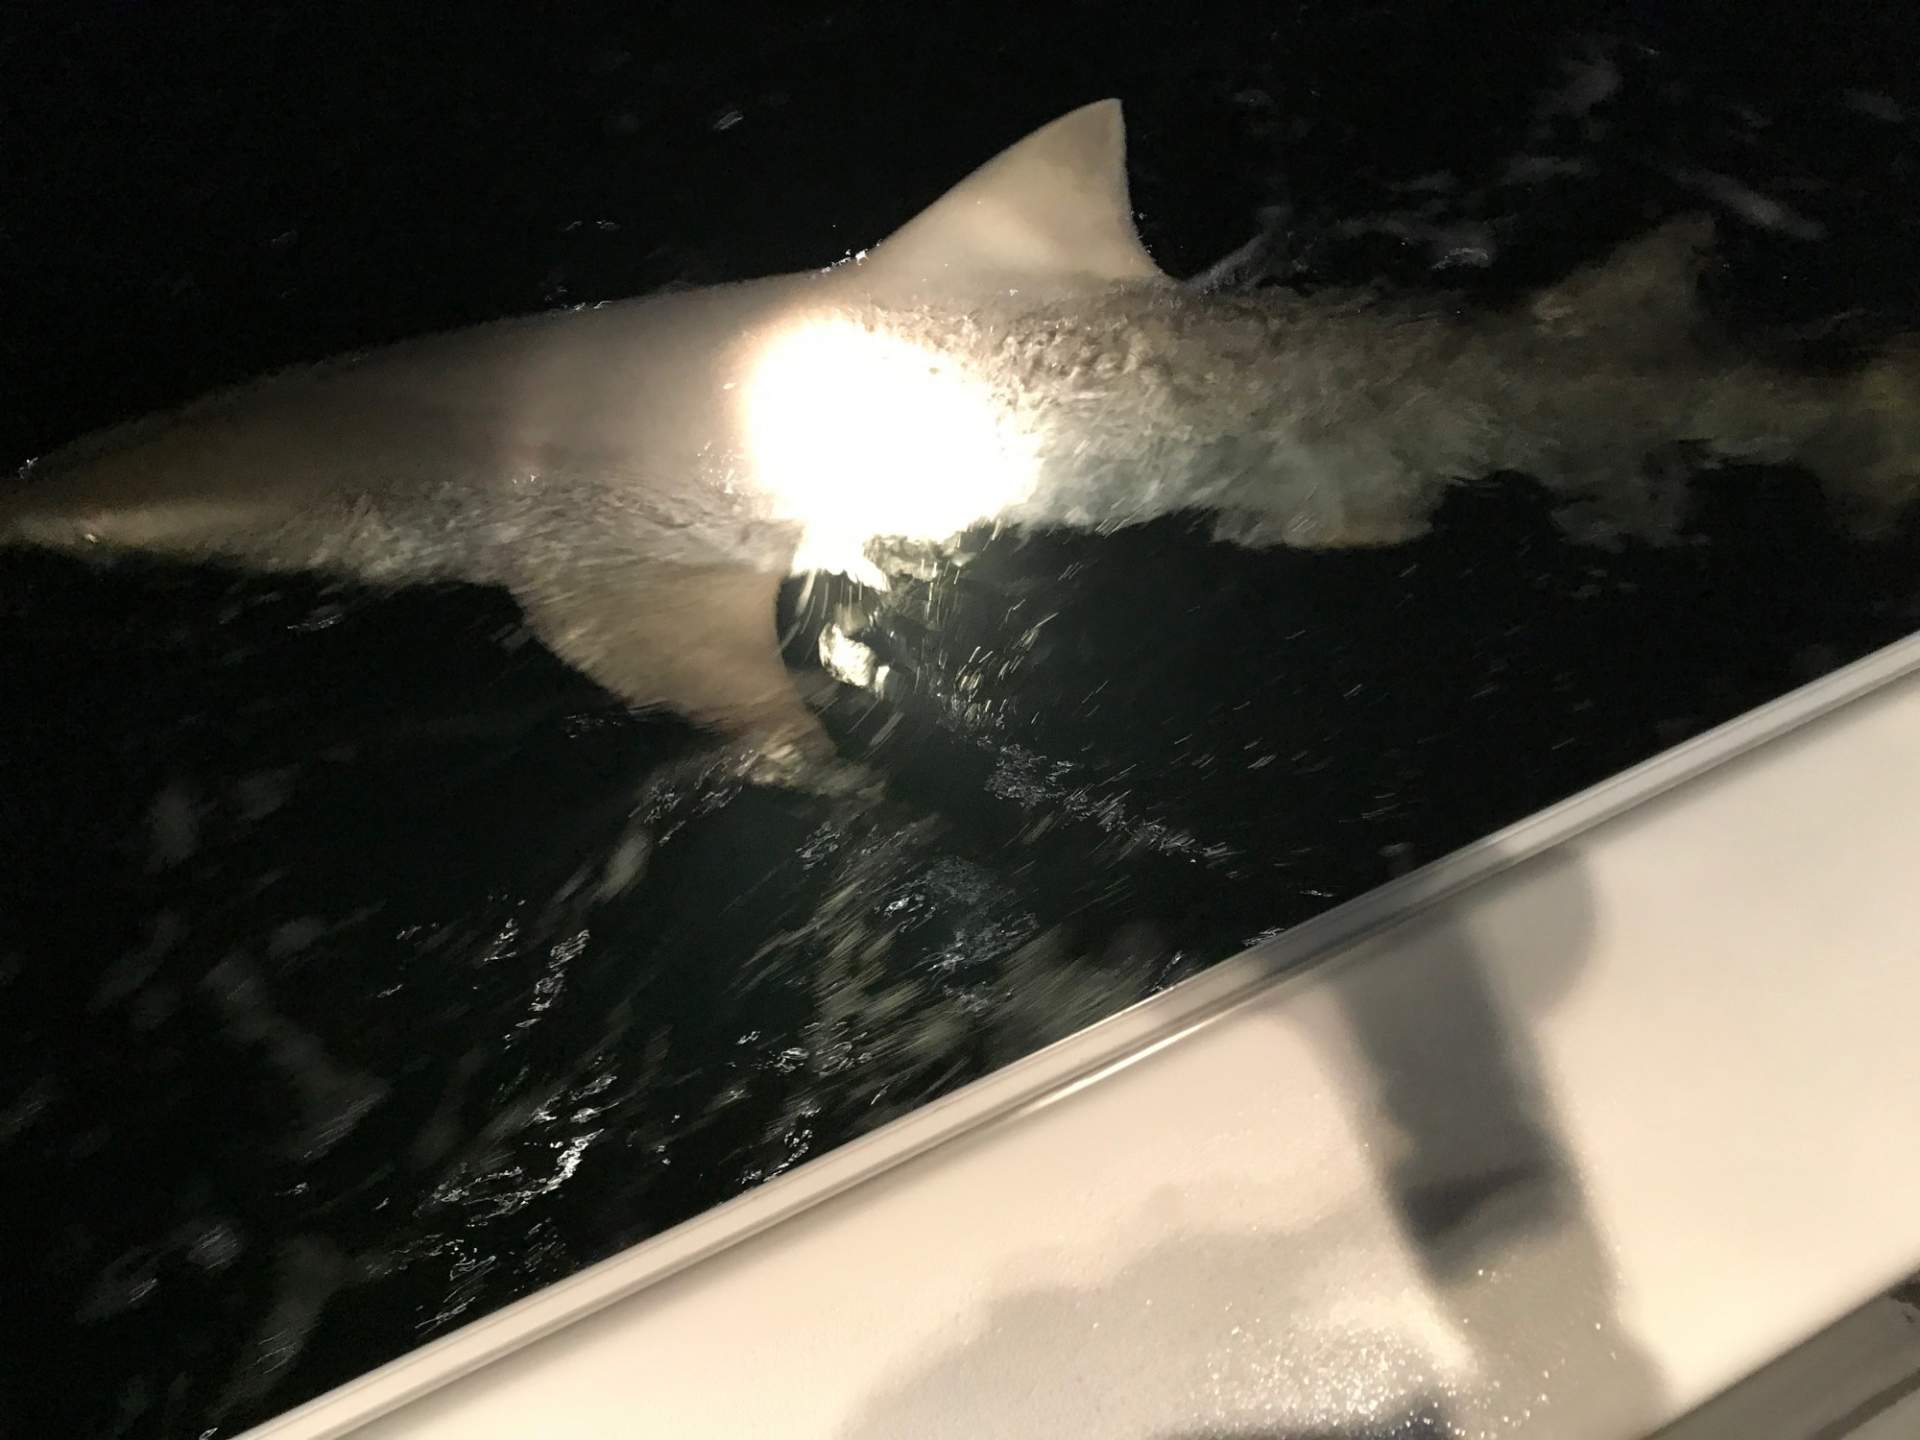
<point>697,640</point>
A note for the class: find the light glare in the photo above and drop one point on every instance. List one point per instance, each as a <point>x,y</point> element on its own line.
<point>857,433</point>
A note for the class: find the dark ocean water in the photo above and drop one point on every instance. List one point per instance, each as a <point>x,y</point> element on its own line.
<point>363,968</point>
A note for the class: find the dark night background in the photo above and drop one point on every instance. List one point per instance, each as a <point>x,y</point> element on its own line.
<point>362,968</point>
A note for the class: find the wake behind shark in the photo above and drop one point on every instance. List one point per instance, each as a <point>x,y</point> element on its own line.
<point>643,475</point>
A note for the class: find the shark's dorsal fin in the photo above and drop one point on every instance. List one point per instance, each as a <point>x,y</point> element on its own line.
<point>1051,209</point>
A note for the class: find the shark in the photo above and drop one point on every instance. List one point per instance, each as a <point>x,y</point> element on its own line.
<point>644,475</point>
